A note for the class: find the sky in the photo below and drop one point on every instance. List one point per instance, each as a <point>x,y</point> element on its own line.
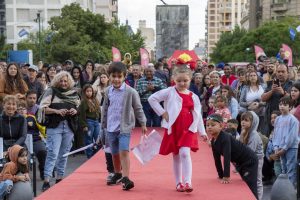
<point>135,10</point>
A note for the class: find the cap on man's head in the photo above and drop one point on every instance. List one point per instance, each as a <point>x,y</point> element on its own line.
<point>25,65</point>
<point>215,117</point>
<point>220,65</point>
<point>34,67</point>
<point>69,62</point>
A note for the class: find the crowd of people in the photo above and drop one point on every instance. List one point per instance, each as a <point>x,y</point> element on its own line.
<point>67,105</point>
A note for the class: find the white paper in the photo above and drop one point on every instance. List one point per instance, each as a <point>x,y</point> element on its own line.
<point>148,147</point>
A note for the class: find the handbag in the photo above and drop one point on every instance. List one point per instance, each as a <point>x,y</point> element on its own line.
<point>148,147</point>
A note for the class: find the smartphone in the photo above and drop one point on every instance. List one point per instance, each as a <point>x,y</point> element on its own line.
<point>276,81</point>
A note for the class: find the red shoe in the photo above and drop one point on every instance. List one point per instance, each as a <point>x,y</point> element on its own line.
<point>180,187</point>
<point>188,187</point>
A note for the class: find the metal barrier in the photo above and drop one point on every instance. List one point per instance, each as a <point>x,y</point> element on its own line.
<point>32,161</point>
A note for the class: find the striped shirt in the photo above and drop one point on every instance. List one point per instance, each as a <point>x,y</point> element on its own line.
<point>114,112</point>
<point>142,85</point>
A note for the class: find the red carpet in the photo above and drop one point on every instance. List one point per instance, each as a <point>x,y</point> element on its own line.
<point>152,181</point>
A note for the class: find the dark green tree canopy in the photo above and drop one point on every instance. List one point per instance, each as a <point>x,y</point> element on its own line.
<point>238,45</point>
<point>80,35</point>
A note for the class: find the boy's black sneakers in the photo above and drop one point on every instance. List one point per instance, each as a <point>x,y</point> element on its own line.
<point>114,179</point>
<point>126,183</point>
<point>46,186</point>
<point>58,180</point>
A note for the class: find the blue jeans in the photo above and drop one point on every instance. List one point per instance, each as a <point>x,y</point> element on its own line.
<point>91,136</point>
<point>118,141</point>
<point>277,168</point>
<point>289,164</point>
<point>59,142</point>
<point>5,188</point>
<point>153,120</point>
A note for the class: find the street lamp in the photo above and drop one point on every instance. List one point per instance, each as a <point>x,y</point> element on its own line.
<point>40,45</point>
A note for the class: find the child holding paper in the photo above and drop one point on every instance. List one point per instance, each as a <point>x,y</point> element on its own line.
<point>120,108</point>
<point>181,119</point>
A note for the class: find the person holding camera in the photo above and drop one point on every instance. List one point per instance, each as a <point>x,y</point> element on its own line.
<point>58,112</point>
<point>147,86</point>
<point>277,88</point>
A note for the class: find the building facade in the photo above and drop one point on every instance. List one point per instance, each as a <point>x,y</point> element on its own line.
<point>2,17</point>
<point>221,16</point>
<point>200,49</point>
<point>22,14</point>
<point>108,8</point>
<point>172,29</point>
<point>260,11</point>
<point>149,35</point>
<point>278,9</point>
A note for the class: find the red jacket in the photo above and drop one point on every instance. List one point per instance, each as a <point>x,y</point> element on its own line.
<point>228,81</point>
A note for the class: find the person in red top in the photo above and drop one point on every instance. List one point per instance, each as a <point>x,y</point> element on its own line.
<point>227,78</point>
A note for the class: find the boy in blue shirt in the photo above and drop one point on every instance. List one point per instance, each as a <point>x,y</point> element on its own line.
<point>285,140</point>
<point>121,106</point>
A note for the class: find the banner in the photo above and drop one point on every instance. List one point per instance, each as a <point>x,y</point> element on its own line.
<point>258,52</point>
<point>23,32</point>
<point>144,57</point>
<point>116,54</point>
<point>288,54</point>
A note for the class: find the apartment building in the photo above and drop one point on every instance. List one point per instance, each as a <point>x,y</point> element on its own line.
<point>221,16</point>
<point>149,35</point>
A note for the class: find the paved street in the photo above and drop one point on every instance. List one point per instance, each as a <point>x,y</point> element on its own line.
<point>73,163</point>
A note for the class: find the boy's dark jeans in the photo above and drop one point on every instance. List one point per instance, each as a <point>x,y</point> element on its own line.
<point>153,120</point>
<point>109,163</point>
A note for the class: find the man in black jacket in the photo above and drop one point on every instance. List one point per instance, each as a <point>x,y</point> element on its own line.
<point>234,151</point>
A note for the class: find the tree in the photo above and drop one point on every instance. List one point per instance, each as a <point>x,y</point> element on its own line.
<point>4,48</point>
<point>80,35</point>
<point>233,46</point>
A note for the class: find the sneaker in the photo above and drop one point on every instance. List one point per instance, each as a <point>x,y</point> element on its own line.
<point>46,186</point>
<point>58,180</point>
<point>188,187</point>
<point>126,183</point>
<point>110,175</point>
<point>180,187</point>
<point>115,179</point>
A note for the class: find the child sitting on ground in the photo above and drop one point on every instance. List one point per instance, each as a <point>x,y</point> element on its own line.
<point>18,164</point>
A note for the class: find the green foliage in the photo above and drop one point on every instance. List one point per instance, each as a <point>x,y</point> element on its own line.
<point>4,48</point>
<point>232,46</point>
<point>80,35</point>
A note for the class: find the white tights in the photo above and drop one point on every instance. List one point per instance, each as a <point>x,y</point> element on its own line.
<point>182,165</point>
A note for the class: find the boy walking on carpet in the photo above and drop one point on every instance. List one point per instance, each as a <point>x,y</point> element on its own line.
<point>120,108</point>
